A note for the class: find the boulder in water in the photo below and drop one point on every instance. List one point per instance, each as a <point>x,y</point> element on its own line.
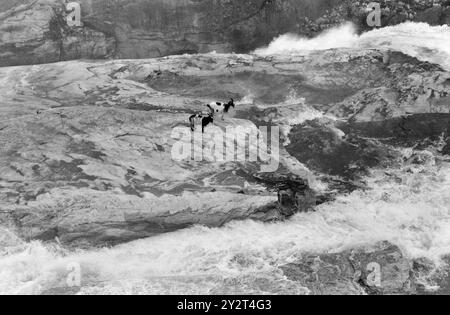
<point>379,269</point>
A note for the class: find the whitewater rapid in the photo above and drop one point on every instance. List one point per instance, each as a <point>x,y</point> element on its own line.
<point>420,40</point>
<point>408,207</point>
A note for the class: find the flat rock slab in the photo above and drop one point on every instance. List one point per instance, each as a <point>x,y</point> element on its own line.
<point>86,148</point>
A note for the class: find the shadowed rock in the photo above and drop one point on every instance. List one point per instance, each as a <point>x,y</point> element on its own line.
<point>350,149</point>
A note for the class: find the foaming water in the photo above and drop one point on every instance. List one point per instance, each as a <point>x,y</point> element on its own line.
<point>409,207</point>
<point>420,40</point>
<point>340,37</point>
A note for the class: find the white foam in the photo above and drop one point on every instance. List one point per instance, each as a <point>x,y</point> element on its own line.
<point>414,214</point>
<point>339,37</point>
<point>428,43</point>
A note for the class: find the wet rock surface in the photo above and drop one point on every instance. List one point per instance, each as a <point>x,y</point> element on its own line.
<point>86,153</point>
<point>351,149</point>
<point>373,270</point>
<point>86,148</point>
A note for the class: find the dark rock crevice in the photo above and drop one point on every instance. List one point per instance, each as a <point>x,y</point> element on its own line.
<point>56,32</point>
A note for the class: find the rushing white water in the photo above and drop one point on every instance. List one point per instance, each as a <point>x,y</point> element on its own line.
<point>340,37</point>
<point>420,40</point>
<point>409,207</point>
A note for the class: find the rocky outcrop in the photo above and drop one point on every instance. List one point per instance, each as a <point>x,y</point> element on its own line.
<point>436,15</point>
<point>395,12</point>
<point>86,149</point>
<point>351,149</point>
<point>36,31</point>
<point>373,270</point>
<point>402,109</point>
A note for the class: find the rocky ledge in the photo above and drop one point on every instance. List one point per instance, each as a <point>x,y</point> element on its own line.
<point>86,147</point>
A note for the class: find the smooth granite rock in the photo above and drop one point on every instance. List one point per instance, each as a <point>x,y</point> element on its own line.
<point>86,148</point>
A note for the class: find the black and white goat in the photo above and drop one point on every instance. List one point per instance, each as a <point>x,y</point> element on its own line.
<point>218,108</point>
<point>204,119</point>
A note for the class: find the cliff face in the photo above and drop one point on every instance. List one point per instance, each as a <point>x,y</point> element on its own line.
<point>35,31</point>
